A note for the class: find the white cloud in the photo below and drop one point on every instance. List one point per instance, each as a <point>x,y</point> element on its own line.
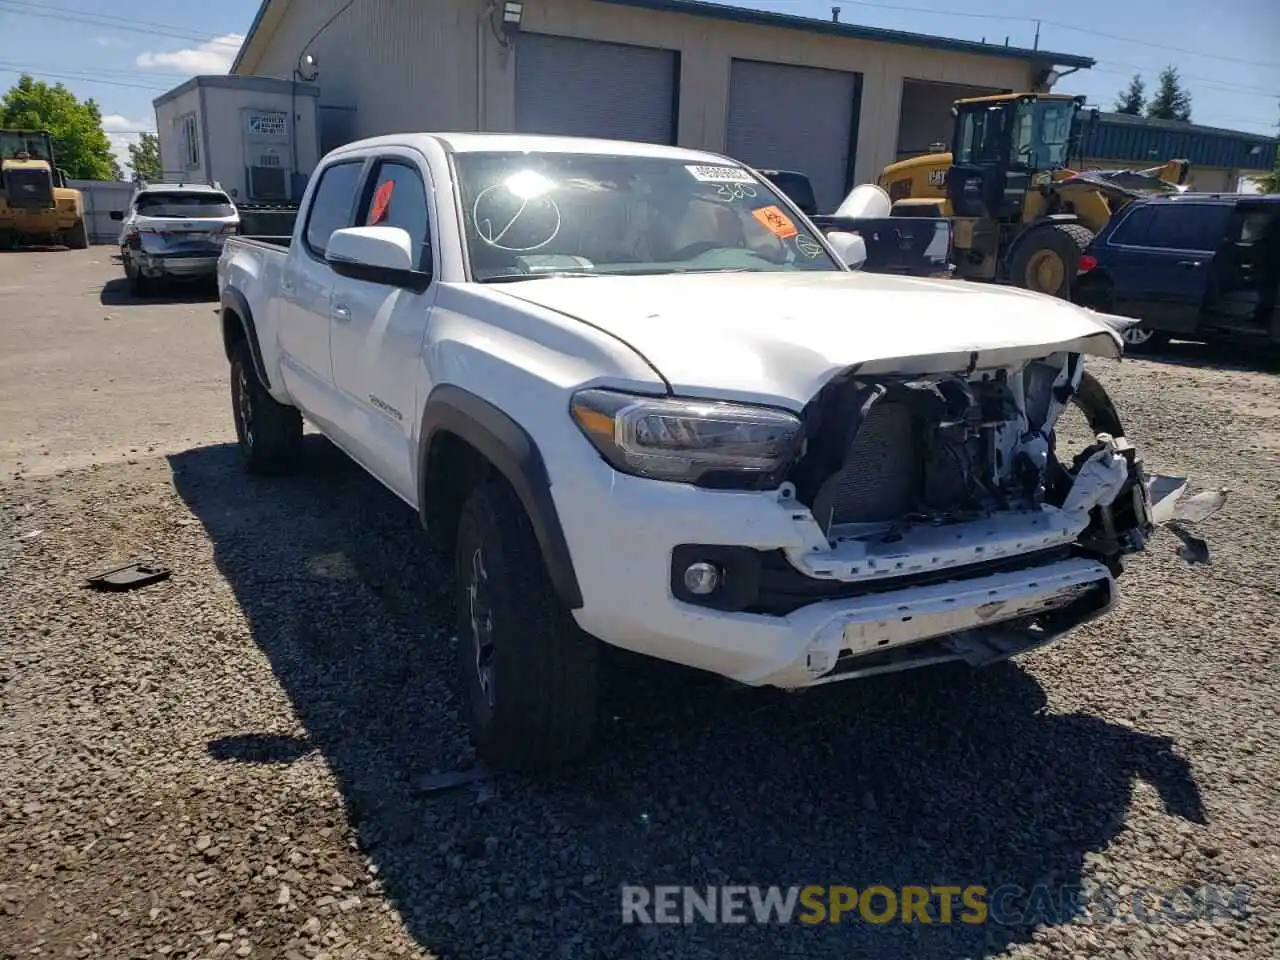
<point>122,131</point>
<point>213,56</point>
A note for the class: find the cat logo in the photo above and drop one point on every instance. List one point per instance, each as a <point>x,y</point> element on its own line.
<point>937,178</point>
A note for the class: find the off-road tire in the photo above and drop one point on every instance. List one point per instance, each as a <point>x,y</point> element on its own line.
<point>1067,241</point>
<point>78,236</point>
<point>269,432</point>
<point>544,670</point>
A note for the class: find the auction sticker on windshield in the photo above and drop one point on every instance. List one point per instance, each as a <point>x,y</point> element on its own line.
<point>720,174</point>
<point>776,222</point>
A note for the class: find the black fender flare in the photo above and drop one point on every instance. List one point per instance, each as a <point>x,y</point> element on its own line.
<point>513,452</point>
<point>234,302</point>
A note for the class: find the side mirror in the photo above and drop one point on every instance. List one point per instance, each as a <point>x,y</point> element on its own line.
<point>849,247</point>
<point>378,255</point>
<point>117,214</point>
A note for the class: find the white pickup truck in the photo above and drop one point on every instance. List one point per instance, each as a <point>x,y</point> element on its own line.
<point>640,399</point>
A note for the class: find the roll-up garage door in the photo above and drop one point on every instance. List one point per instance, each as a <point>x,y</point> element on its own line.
<point>795,118</point>
<point>586,88</point>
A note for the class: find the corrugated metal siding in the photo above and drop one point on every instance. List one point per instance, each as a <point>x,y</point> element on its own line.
<point>1129,140</point>
<point>100,198</point>
<point>586,88</point>
<point>411,65</point>
<point>794,118</point>
<point>403,65</point>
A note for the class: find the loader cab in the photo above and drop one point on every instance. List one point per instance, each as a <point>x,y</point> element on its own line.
<point>1004,146</point>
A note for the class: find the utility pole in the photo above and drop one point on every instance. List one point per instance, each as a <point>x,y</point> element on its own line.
<point>1036,45</point>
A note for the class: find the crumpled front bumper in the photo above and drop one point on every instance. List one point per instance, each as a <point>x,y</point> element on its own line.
<point>993,592</point>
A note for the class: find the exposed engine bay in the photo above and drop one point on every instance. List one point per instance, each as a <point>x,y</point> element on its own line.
<point>893,462</point>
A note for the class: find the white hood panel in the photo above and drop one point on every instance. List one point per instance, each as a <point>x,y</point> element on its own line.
<point>779,337</point>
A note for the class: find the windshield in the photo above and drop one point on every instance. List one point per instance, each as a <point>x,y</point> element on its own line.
<point>1042,134</point>
<point>539,214</point>
<point>13,143</point>
<point>184,205</point>
<point>981,134</point>
<point>1039,137</point>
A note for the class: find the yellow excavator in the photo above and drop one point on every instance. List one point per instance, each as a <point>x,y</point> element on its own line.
<point>1019,213</point>
<point>36,205</point>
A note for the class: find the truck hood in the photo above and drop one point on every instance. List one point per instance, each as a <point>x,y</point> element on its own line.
<point>779,337</point>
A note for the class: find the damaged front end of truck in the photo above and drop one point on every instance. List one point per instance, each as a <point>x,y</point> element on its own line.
<point>945,515</point>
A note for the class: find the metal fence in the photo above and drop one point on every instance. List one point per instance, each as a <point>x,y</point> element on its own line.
<point>100,198</point>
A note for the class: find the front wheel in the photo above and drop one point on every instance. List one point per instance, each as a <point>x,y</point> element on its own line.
<point>531,676</point>
<point>269,432</point>
<point>1048,256</point>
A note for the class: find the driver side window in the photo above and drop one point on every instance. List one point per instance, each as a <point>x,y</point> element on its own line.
<point>397,197</point>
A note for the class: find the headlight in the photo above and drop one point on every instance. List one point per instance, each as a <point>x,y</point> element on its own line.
<point>695,441</point>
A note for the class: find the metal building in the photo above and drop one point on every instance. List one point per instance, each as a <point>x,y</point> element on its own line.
<point>257,136</point>
<point>835,100</point>
<point>1219,158</point>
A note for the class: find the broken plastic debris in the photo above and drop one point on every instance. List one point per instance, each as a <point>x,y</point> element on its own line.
<point>140,573</point>
<point>437,782</point>
<point>1193,549</point>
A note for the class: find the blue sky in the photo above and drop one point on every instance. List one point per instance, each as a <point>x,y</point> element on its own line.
<point>1228,51</point>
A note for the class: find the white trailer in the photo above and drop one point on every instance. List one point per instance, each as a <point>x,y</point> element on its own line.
<point>258,137</point>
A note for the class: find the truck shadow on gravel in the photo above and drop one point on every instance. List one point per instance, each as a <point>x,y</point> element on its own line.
<point>1217,355</point>
<point>116,293</point>
<point>936,778</point>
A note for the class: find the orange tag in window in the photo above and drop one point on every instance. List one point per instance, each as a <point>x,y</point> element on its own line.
<point>776,222</point>
<point>381,203</point>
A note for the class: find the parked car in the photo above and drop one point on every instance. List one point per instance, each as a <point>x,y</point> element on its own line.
<point>1197,266</point>
<point>641,400</point>
<point>174,231</point>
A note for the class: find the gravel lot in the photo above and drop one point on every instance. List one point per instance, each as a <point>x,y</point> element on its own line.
<point>232,762</point>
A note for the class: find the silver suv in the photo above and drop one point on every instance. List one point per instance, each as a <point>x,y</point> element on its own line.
<point>174,231</point>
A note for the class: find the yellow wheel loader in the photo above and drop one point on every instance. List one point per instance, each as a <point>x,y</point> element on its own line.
<point>36,205</point>
<point>1019,214</point>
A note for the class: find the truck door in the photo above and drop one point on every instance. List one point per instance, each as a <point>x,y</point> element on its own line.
<point>306,287</point>
<point>1161,262</point>
<point>378,330</point>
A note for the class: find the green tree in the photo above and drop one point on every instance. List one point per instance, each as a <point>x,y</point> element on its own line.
<point>144,156</point>
<point>1133,99</point>
<point>1171,101</point>
<point>80,145</point>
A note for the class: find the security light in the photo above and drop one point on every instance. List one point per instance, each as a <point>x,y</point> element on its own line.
<point>512,13</point>
<point>308,67</point>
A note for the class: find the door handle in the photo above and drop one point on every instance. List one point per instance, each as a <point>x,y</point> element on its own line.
<point>341,312</point>
<point>1189,264</point>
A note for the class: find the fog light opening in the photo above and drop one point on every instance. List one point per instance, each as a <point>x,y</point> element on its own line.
<point>702,579</point>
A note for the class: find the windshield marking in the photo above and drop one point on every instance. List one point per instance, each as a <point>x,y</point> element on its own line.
<point>719,174</point>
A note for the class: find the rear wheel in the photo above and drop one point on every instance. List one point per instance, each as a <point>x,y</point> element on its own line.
<point>78,236</point>
<point>269,432</point>
<point>529,673</point>
<point>139,286</point>
<point>1048,256</point>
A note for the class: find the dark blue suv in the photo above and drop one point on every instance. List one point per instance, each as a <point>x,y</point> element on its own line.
<point>1193,265</point>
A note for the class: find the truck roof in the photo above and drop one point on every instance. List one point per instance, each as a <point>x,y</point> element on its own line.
<point>537,143</point>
